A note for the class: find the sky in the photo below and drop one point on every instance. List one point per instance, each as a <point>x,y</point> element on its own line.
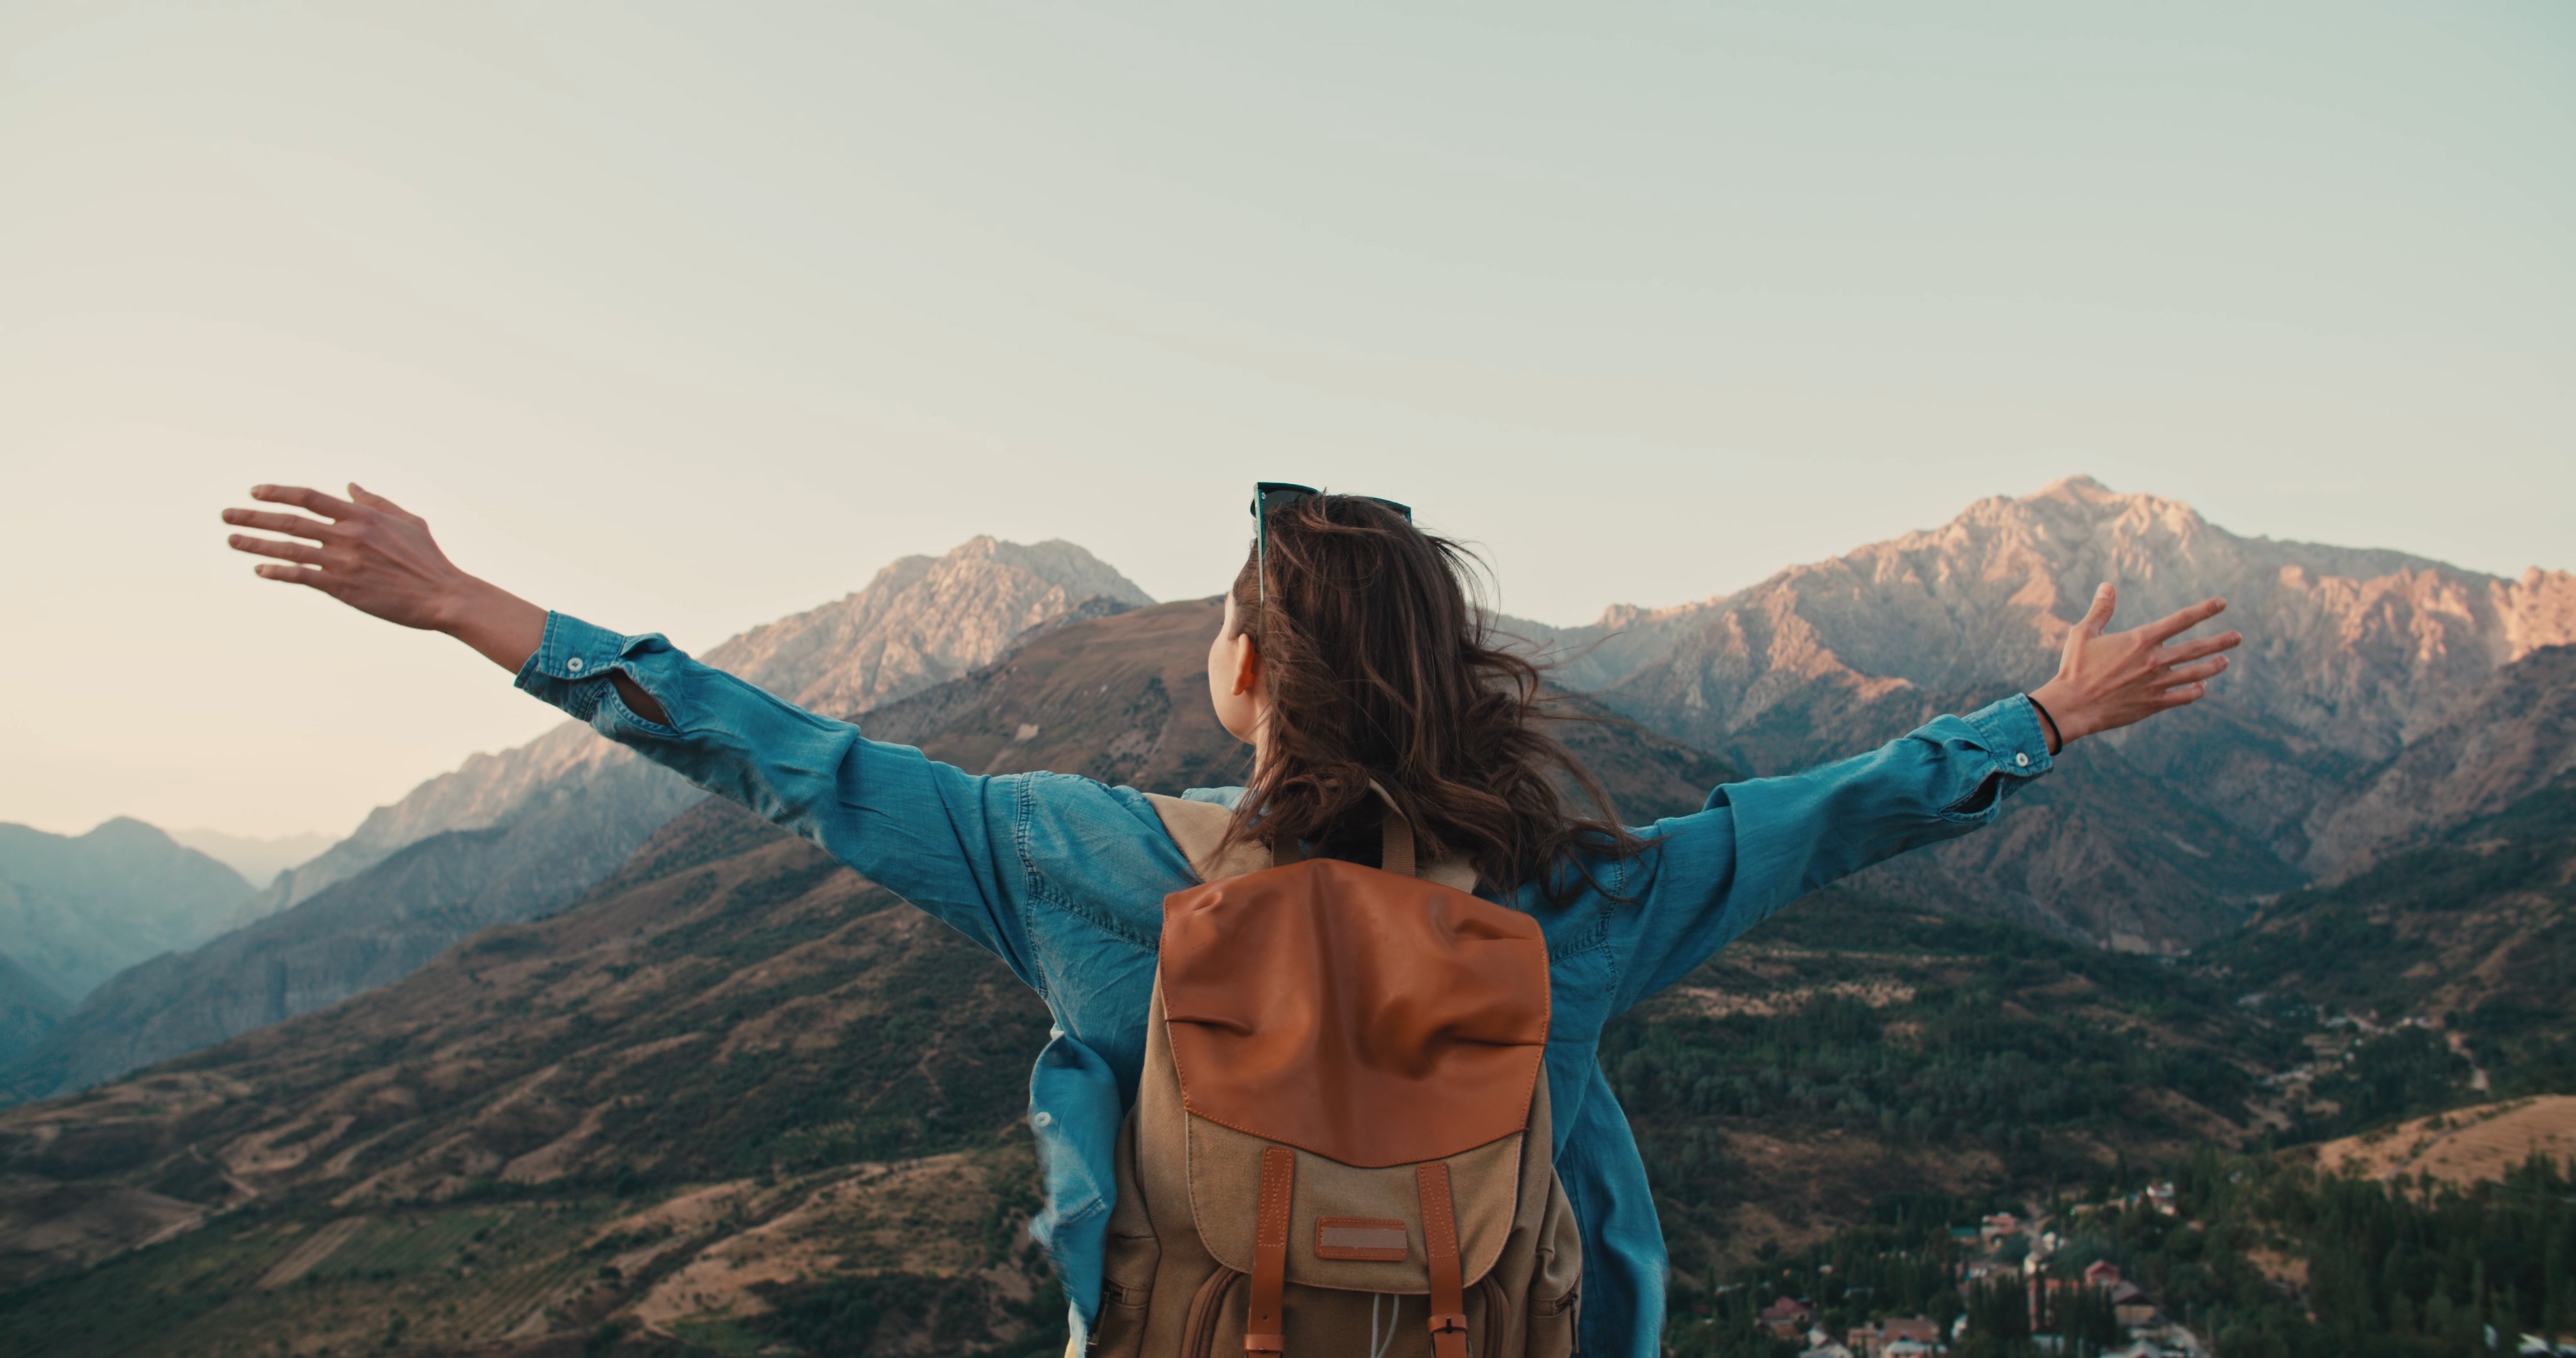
<point>686,317</point>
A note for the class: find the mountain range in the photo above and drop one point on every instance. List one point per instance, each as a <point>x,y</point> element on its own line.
<point>736,1091</point>
<point>707,1090</point>
<point>2363,671</point>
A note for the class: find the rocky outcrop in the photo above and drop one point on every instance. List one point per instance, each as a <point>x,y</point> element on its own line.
<point>76,909</point>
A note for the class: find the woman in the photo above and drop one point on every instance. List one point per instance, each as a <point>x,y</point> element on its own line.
<point>1350,652</point>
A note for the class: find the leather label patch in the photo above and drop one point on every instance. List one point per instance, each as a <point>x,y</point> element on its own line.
<point>1366,1238</point>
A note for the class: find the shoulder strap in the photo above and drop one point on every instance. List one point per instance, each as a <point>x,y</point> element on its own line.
<point>1197,827</point>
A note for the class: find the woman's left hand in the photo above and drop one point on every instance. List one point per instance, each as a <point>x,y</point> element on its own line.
<point>2106,682</point>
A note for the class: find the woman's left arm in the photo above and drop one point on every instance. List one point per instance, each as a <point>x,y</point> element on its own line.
<point>1760,844</point>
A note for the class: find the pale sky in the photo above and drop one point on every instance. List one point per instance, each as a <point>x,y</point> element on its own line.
<point>684,317</point>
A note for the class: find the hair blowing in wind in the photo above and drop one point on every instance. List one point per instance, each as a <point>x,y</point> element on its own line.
<point>1381,664</point>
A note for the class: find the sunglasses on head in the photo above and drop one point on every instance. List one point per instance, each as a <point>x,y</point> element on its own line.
<point>1268,497</point>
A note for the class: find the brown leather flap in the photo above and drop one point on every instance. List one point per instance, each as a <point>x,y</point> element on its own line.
<point>1373,1019</point>
<point>1225,1194</point>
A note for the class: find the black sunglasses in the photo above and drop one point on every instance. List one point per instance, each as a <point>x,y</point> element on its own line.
<point>1268,497</point>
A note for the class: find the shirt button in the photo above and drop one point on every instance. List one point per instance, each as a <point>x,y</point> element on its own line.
<point>1042,1118</point>
<point>573,664</point>
<point>2021,759</point>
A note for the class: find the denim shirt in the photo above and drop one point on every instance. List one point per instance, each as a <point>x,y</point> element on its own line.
<point>1063,879</point>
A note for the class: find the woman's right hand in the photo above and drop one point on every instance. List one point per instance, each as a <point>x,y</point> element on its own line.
<point>379,558</point>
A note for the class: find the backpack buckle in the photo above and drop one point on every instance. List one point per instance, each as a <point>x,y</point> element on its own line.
<point>1265,1343</point>
<point>1449,1323</point>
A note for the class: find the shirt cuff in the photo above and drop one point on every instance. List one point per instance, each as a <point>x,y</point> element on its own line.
<point>571,663</point>
<point>2012,734</point>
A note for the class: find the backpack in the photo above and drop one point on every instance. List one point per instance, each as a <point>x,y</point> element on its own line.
<point>1340,1145</point>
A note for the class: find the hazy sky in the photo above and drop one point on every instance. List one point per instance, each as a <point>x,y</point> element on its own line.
<point>686,317</point>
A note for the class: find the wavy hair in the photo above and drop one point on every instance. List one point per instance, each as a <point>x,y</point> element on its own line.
<point>1381,662</point>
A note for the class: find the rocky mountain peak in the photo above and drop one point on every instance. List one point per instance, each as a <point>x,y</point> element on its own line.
<point>921,621</point>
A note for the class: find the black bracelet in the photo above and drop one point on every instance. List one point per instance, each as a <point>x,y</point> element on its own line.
<point>2056,737</point>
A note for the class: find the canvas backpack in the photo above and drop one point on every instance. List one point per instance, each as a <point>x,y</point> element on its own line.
<point>1340,1145</point>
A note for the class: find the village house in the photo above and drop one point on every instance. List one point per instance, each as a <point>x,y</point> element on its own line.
<point>1911,1337</point>
<point>1787,1318</point>
<point>2129,1302</point>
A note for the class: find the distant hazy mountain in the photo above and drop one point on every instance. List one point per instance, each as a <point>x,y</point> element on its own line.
<point>75,910</point>
<point>257,860</point>
<point>29,1009</point>
<point>520,834</point>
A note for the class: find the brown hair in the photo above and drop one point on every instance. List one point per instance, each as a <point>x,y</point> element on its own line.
<point>1381,663</point>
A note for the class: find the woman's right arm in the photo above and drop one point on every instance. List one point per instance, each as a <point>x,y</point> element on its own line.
<point>940,838</point>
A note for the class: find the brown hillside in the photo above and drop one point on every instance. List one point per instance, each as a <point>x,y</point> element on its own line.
<point>2463,1146</point>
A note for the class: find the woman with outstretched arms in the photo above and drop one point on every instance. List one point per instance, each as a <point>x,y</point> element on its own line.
<point>1351,654</point>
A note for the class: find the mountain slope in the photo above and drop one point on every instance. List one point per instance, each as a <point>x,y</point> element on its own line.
<point>74,910</point>
<point>2473,934</point>
<point>2514,736</point>
<point>29,1009</point>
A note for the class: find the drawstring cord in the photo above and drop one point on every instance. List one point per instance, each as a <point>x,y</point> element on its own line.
<point>1377,1349</point>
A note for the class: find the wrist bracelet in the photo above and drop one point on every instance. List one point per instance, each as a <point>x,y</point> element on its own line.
<point>2056,737</point>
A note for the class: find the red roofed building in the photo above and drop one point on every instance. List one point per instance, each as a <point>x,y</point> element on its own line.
<point>1787,1318</point>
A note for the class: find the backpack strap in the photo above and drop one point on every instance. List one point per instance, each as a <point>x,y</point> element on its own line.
<point>1198,827</point>
<point>1265,1320</point>
<point>1440,1245</point>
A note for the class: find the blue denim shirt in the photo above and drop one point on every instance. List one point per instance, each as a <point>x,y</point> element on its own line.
<point>1063,878</point>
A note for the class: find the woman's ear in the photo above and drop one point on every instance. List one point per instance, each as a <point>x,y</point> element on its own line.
<point>1247,665</point>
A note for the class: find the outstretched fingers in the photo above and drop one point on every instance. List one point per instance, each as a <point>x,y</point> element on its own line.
<point>305,497</point>
<point>294,525</point>
<point>2181,695</point>
<point>2183,620</point>
<point>295,575</point>
<point>284,551</point>
<point>2180,675</point>
<point>2201,646</point>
